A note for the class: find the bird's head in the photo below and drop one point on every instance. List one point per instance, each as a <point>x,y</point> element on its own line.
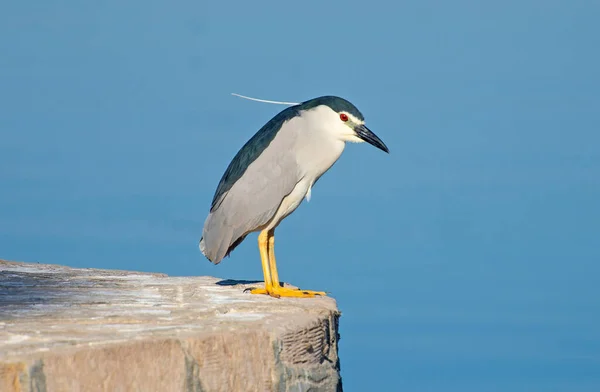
<point>342,119</point>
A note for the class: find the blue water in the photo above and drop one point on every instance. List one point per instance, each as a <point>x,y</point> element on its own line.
<point>466,260</point>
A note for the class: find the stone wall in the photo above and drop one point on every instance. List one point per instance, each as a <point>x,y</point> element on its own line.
<point>65,329</point>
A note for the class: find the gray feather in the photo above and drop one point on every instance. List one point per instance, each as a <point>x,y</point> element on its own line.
<point>249,153</point>
<point>251,202</point>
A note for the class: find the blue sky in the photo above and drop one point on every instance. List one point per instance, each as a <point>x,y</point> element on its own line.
<point>465,260</point>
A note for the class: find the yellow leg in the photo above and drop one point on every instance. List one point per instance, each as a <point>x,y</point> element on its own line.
<point>272,264</point>
<point>264,258</point>
<point>273,288</point>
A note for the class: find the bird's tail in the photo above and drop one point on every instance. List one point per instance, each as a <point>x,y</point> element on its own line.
<point>216,239</point>
<point>202,246</point>
<point>207,253</point>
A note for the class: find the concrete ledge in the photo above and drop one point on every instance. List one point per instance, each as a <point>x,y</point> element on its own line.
<point>65,329</point>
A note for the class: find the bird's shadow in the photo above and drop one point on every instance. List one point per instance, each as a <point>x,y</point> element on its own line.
<point>234,282</point>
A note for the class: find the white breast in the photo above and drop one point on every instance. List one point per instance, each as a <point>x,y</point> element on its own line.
<point>315,150</point>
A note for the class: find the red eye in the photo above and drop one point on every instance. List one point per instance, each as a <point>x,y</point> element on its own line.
<point>343,117</point>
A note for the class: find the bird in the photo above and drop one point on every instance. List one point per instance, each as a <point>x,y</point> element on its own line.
<point>273,172</point>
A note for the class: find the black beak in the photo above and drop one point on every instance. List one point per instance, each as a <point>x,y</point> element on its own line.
<point>365,134</point>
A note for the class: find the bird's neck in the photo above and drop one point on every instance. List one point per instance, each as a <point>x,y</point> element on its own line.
<point>319,155</point>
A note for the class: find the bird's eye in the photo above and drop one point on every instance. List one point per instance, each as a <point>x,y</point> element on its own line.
<point>343,117</point>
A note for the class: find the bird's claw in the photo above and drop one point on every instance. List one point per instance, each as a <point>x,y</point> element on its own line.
<point>278,292</point>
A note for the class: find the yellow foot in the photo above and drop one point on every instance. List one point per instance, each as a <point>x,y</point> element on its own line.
<point>279,291</point>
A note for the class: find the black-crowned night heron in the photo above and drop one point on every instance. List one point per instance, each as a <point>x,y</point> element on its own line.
<point>271,175</point>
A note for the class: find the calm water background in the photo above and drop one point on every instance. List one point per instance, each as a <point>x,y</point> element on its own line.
<point>466,260</point>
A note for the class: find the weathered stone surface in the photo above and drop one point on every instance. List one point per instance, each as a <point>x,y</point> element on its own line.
<point>65,329</point>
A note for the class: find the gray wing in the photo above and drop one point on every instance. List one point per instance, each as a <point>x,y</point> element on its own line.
<point>253,199</point>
